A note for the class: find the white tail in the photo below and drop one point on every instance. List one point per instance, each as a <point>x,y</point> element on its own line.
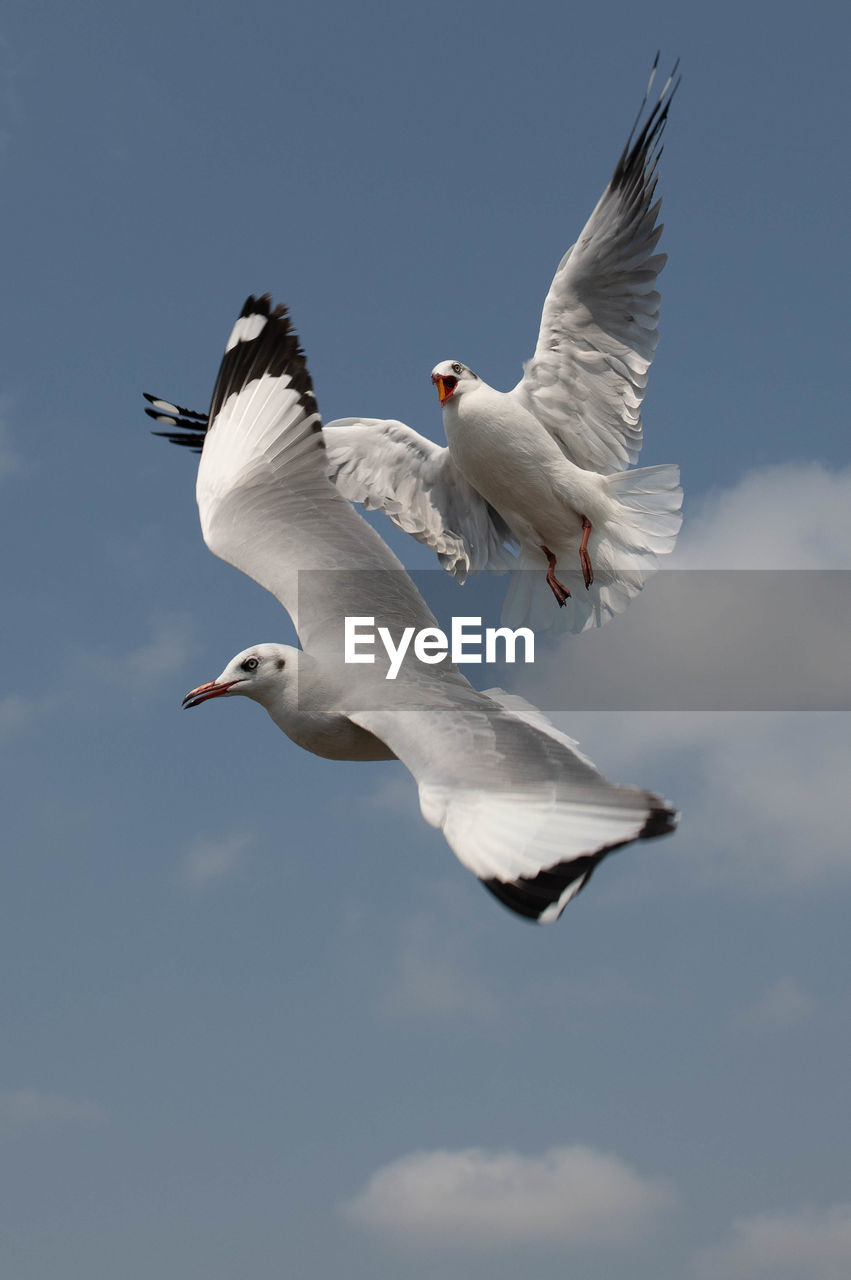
<point>643,526</point>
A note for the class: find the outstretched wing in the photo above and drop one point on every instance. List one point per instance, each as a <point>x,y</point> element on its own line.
<point>587,378</point>
<point>518,804</point>
<point>386,466</point>
<point>264,497</point>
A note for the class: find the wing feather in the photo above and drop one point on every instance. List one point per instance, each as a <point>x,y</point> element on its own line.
<point>518,804</point>
<point>265,501</point>
<point>385,465</point>
<point>587,378</point>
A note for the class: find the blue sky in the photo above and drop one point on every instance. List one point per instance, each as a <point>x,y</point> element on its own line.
<point>256,1018</point>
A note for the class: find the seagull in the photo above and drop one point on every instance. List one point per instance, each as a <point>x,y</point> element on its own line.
<point>539,469</point>
<point>546,459</point>
<point>519,805</point>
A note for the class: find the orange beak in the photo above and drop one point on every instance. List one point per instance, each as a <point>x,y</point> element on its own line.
<point>445,387</point>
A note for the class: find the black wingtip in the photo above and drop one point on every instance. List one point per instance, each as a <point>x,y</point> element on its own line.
<point>176,410</point>
<point>641,153</point>
<point>186,427</point>
<point>532,896</point>
<point>272,348</point>
<point>261,305</point>
<point>661,821</point>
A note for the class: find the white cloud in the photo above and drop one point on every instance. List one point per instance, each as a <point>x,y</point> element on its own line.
<point>793,516</point>
<point>29,1109</point>
<point>483,1200</point>
<point>764,796</point>
<point>772,638</point>
<point>807,1244</point>
<point>209,860</point>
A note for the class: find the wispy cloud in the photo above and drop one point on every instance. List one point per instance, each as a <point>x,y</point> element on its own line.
<point>765,801</point>
<point>19,714</point>
<point>764,796</point>
<point>483,1200</point>
<point>711,637</point>
<point>793,516</point>
<point>784,1005</point>
<point>804,1244</point>
<point>155,660</point>
<point>435,974</point>
<point>210,860</point>
<point>159,656</point>
<point>22,1109</point>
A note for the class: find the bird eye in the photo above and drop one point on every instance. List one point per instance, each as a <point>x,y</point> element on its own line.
<point>456,368</point>
<point>249,664</point>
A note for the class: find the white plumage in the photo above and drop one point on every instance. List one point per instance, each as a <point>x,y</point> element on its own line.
<point>542,465</point>
<point>519,805</point>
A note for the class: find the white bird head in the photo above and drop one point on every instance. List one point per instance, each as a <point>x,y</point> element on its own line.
<point>258,673</point>
<point>452,378</point>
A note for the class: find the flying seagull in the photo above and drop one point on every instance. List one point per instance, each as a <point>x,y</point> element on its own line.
<point>518,804</point>
<point>540,468</point>
<point>549,455</point>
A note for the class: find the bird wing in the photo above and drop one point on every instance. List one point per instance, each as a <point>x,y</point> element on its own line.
<point>266,504</point>
<point>587,378</point>
<point>385,465</point>
<point>518,804</point>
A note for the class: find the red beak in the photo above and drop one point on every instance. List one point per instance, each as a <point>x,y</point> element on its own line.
<point>445,386</point>
<point>204,692</point>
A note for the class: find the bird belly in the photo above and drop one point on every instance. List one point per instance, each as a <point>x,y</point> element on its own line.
<point>520,470</point>
<point>331,735</point>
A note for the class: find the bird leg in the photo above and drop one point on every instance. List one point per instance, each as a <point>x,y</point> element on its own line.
<point>584,558</point>
<point>558,589</point>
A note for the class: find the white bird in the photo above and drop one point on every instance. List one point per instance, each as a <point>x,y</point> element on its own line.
<point>538,468</point>
<point>516,801</point>
<point>542,464</point>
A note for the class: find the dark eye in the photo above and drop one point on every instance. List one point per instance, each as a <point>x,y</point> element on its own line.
<point>456,368</point>
<point>249,664</point>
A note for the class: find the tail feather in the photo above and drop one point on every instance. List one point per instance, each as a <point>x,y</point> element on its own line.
<point>624,552</point>
<point>649,501</point>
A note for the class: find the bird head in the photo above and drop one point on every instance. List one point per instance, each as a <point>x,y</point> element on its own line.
<point>258,673</point>
<point>451,379</point>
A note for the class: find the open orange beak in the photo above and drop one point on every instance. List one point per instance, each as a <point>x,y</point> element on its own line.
<point>204,692</point>
<point>445,387</point>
